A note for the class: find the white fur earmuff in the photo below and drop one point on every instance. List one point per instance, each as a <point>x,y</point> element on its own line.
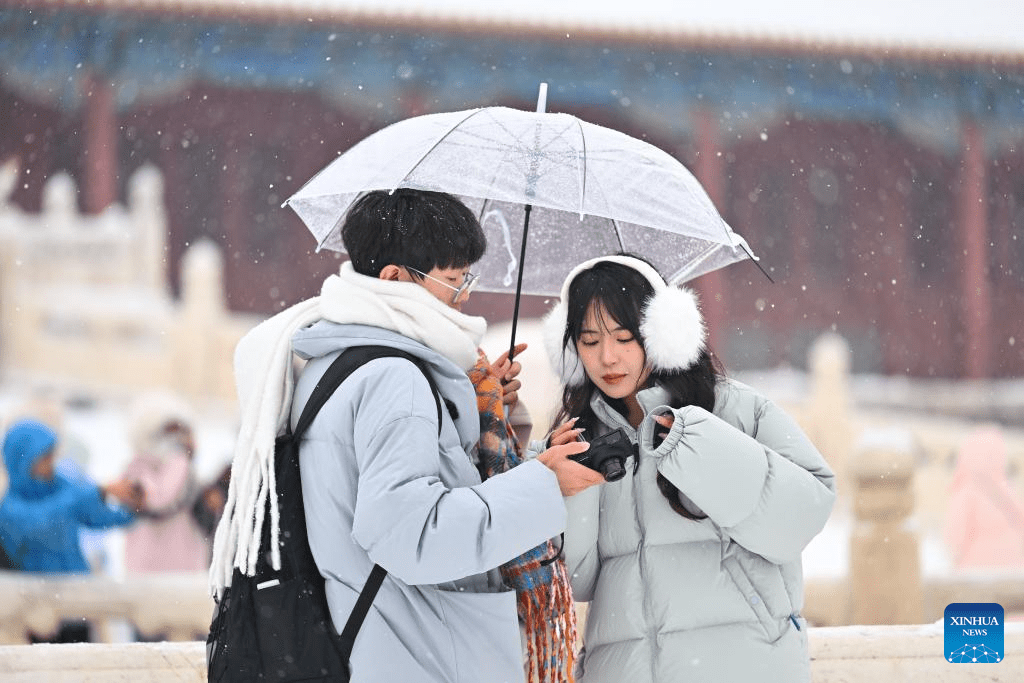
<point>671,324</point>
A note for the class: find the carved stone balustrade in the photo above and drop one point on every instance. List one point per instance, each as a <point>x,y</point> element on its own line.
<point>847,654</point>
<point>172,606</point>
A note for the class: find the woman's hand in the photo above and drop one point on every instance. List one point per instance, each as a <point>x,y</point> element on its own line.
<point>565,433</point>
<point>506,371</point>
<point>572,476</point>
<point>665,422</point>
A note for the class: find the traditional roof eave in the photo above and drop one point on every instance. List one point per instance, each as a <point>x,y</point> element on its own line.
<point>777,43</point>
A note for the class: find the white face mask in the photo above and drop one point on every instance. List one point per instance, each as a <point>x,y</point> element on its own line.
<point>169,444</point>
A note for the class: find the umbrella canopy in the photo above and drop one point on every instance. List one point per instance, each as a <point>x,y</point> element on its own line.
<point>593,191</point>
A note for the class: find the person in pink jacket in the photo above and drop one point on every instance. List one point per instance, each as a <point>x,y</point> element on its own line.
<point>166,537</point>
<point>984,515</point>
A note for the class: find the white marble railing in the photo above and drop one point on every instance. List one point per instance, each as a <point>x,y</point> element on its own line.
<point>827,601</point>
<point>847,654</point>
<point>177,607</point>
<point>174,606</point>
<point>85,300</point>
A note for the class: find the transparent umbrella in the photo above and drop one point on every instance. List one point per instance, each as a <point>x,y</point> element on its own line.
<point>551,190</point>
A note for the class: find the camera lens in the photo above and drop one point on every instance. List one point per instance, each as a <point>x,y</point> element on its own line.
<point>612,469</point>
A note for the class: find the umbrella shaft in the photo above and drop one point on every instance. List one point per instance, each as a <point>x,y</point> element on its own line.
<point>519,281</point>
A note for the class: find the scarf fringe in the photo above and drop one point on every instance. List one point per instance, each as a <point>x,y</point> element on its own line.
<point>548,614</point>
<point>543,594</point>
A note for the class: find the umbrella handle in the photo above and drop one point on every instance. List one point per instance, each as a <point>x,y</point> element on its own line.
<point>519,282</point>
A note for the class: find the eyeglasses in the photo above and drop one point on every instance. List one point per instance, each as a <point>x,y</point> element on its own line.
<point>469,281</point>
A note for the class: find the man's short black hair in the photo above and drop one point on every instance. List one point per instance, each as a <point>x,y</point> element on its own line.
<point>416,228</point>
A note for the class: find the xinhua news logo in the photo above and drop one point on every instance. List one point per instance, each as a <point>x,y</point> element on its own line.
<point>974,633</point>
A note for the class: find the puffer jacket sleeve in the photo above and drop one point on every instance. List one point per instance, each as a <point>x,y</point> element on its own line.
<point>87,506</point>
<point>94,513</point>
<point>762,482</point>
<point>42,521</point>
<point>409,521</point>
<point>580,543</point>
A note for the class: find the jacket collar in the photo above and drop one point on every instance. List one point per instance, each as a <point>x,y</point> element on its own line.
<point>649,399</point>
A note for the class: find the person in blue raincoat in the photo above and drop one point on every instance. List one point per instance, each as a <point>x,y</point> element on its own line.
<point>44,508</point>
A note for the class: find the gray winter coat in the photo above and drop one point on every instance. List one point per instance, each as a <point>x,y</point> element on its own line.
<point>380,486</point>
<point>674,600</point>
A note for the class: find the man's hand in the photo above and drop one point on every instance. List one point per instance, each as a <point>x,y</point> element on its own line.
<point>506,371</point>
<point>572,476</point>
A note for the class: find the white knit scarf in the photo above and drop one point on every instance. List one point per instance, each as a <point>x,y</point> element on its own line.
<point>264,380</point>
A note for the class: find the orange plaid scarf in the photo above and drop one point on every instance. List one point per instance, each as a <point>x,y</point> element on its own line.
<point>541,583</point>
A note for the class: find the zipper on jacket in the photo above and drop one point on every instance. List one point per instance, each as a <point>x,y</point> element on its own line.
<point>612,419</point>
<point>638,510</point>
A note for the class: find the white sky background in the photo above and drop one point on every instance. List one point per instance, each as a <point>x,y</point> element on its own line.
<point>955,25</point>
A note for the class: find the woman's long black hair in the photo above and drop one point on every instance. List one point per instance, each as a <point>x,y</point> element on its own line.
<point>621,293</point>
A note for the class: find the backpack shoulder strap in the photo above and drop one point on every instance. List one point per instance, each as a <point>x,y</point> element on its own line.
<point>361,609</point>
<point>344,365</point>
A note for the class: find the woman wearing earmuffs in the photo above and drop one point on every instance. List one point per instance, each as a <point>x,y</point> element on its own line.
<point>690,561</point>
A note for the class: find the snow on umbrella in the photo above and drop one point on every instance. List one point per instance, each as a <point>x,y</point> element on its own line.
<point>578,189</point>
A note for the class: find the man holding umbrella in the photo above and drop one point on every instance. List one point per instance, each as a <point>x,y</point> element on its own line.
<point>383,482</point>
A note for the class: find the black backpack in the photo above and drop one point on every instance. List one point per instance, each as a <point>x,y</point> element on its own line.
<point>275,625</point>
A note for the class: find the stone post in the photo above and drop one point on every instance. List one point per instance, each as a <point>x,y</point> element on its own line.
<point>201,314</point>
<point>60,208</point>
<point>885,576</point>
<point>146,201</point>
<point>829,418</point>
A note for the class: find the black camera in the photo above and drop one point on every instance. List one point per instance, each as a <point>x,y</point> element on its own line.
<point>607,454</point>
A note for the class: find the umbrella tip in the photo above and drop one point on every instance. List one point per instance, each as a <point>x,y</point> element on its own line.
<point>756,261</point>
<point>542,98</point>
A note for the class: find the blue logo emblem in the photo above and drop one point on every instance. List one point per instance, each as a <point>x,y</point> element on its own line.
<point>973,633</point>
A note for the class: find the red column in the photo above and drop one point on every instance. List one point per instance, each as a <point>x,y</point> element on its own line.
<point>892,298</point>
<point>100,159</point>
<point>240,275</point>
<point>709,169</point>
<point>975,289</point>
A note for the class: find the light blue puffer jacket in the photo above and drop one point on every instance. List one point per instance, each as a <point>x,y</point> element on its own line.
<point>380,486</point>
<point>674,600</point>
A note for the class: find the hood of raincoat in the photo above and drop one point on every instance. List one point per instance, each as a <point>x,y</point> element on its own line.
<point>26,442</point>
